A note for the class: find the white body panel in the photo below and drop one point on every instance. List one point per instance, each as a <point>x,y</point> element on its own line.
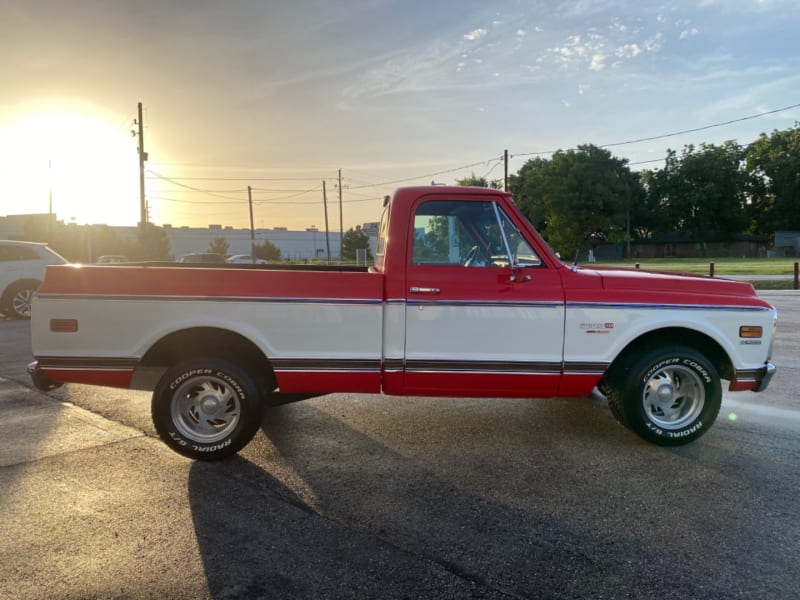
<point>599,332</point>
<point>395,331</point>
<point>485,332</point>
<point>128,328</point>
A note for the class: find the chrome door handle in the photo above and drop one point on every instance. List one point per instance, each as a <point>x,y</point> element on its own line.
<point>424,290</point>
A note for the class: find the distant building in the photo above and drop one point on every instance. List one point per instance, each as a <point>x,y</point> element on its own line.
<point>787,243</point>
<point>294,245</point>
<point>371,228</point>
<point>13,226</point>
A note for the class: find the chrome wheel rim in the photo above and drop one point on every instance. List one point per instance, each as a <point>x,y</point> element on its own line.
<point>21,303</point>
<point>673,397</point>
<point>205,409</point>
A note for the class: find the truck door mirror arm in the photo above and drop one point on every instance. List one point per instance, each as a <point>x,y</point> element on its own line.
<point>518,274</point>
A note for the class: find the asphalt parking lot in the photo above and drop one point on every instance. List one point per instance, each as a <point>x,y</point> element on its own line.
<point>359,496</point>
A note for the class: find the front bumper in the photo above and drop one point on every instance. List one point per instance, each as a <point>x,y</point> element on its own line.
<point>769,372</point>
<point>753,380</point>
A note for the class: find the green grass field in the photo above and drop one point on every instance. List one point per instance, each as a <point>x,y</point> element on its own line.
<point>722,266</point>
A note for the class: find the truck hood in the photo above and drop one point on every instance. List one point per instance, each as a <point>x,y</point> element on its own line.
<point>665,282</point>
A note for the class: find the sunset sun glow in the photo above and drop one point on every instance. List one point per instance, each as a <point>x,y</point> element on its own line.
<point>88,166</point>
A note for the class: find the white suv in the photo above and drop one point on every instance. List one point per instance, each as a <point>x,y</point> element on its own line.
<point>21,272</point>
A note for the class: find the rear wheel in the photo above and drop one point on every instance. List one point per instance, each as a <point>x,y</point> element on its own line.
<point>207,409</point>
<point>669,396</point>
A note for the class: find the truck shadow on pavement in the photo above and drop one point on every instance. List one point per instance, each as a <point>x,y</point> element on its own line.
<point>437,504</point>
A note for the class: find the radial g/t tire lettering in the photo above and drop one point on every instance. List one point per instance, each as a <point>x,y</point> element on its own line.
<point>207,409</point>
<point>669,396</point>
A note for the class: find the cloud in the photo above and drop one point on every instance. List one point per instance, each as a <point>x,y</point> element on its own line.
<point>598,62</point>
<point>688,32</point>
<point>654,43</point>
<point>738,6</point>
<point>405,72</point>
<point>475,34</point>
<point>628,51</point>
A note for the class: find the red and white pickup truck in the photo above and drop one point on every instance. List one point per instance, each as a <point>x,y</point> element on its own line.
<point>464,299</point>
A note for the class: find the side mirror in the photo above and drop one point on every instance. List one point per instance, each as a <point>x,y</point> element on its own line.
<point>519,275</point>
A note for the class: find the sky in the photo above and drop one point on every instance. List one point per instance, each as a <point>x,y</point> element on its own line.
<point>282,95</point>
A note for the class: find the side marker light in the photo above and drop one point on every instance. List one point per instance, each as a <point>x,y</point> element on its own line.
<point>64,325</point>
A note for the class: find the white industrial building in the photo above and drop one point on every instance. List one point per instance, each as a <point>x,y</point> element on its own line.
<point>294,245</point>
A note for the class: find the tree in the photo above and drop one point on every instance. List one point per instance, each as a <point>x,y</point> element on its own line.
<point>268,251</point>
<point>354,239</point>
<point>703,192</point>
<point>474,180</point>
<point>644,215</point>
<point>219,246</point>
<point>774,162</point>
<point>153,244</point>
<point>576,197</point>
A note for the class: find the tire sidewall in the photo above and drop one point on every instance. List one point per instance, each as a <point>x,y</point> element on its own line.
<point>241,384</point>
<point>640,373</point>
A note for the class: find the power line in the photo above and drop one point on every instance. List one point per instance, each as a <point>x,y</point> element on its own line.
<point>644,162</point>
<point>194,190</point>
<point>189,187</point>
<point>652,160</point>
<point>475,164</point>
<point>497,164</point>
<point>196,202</point>
<point>285,190</point>
<point>673,134</point>
<point>300,193</point>
<point>236,178</point>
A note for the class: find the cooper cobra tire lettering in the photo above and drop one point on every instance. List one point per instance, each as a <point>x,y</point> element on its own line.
<point>658,366</point>
<point>183,377</point>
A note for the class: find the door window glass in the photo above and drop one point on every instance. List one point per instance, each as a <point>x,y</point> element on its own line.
<point>12,252</point>
<point>458,233</point>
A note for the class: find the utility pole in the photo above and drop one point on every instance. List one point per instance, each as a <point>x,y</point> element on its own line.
<point>50,195</point>
<point>142,158</point>
<point>505,175</point>
<point>327,237</point>
<point>341,224</point>
<point>252,228</point>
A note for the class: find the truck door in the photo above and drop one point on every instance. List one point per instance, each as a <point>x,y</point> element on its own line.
<point>484,314</point>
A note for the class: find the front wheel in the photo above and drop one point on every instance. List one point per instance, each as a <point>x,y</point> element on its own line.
<point>669,396</point>
<point>206,409</point>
